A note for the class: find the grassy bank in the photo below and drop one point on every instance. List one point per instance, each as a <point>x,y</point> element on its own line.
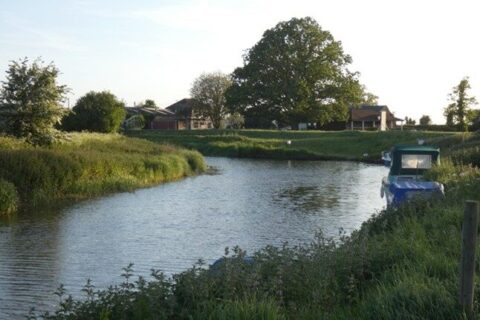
<point>272,144</point>
<point>401,264</point>
<point>86,165</point>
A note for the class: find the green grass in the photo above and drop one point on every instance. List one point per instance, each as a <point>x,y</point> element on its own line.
<point>86,165</point>
<point>313,145</point>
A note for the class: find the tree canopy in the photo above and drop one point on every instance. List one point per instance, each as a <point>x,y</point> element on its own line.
<point>425,120</point>
<point>458,110</point>
<point>97,112</point>
<point>149,103</point>
<point>31,101</point>
<point>297,72</point>
<point>208,93</point>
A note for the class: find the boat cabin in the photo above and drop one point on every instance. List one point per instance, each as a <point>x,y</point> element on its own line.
<point>413,160</point>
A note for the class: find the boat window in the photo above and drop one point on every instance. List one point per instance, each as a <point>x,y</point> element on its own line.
<point>416,161</point>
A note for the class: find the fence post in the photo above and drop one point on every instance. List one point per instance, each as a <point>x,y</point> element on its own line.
<point>467,264</point>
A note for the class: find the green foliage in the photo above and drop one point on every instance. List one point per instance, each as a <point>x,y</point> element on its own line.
<point>135,122</point>
<point>425,120</point>
<point>296,73</point>
<point>8,198</point>
<point>458,110</point>
<point>96,112</point>
<point>235,121</point>
<point>92,164</point>
<point>409,121</point>
<point>208,92</point>
<point>31,101</point>
<point>150,104</point>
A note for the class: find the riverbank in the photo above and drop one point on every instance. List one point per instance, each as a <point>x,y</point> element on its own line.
<point>293,145</point>
<point>85,165</point>
<point>401,264</point>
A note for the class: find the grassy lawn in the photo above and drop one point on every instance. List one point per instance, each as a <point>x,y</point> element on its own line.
<point>348,145</point>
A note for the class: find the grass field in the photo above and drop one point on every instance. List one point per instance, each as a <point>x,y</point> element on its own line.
<point>86,165</point>
<point>314,145</point>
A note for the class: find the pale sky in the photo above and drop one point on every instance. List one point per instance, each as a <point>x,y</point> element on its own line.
<point>410,53</point>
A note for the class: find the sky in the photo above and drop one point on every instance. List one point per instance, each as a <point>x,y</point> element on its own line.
<point>409,53</point>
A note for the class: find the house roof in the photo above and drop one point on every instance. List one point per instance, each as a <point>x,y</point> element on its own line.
<point>184,105</point>
<point>149,111</point>
<point>371,113</point>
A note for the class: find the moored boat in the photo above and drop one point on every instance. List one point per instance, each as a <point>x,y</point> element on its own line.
<point>405,180</point>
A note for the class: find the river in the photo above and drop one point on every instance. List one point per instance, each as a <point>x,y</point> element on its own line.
<point>250,203</point>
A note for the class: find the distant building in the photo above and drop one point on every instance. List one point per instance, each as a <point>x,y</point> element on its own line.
<point>372,118</point>
<point>187,118</point>
<point>155,118</point>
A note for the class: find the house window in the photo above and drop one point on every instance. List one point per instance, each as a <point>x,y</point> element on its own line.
<point>195,124</point>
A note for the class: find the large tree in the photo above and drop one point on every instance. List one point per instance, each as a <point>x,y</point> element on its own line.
<point>208,94</point>
<point>296,73</point>
<point>97,112</point>
<point>31,101</point>
<point>460,104</point>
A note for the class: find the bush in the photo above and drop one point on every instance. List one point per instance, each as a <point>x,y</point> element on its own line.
<point>8,198</point>
<point>96,112</point>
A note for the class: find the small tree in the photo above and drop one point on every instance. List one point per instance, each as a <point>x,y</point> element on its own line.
<point>425,120</point>
<point>150,104</point>
<point>31,101</point>
<point>457,111</point>
<point>208,92</point>
<point>96,111</point>
<point>409,121</point>
<point>235,121</point>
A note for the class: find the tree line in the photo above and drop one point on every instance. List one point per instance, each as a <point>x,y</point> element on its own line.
<point>297,72</point>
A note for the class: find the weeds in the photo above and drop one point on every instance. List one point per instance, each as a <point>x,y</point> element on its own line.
<point>87,165</point>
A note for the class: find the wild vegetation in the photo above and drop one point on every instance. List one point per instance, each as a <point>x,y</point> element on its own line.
<point>85,165</point>
<point>401,264</point>
<point>274,144</point>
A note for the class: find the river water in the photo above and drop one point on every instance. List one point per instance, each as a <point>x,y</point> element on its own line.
<point>250,203</point>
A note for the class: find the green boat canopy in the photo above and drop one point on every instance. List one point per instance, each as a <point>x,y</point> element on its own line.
<point>413,159</point>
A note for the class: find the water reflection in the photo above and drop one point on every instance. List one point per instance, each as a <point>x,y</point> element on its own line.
<point>251,203</point>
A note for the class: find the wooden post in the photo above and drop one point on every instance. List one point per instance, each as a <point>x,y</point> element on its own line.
<point>467,264</point>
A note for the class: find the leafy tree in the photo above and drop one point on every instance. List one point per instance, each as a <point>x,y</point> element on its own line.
<point>208,93</point>
<point>31,101</point>
<point>425,120</point>
<point>449,114</point>
<point>457,111</point>
<point>368,98</point>
<point>96,111</point>
<point>409,121</point>
<point>150,104</point>
<point>235,121</point>
<point>297,72</point>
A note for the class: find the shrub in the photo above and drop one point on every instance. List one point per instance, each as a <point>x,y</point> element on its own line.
<point>8,198</point>
<point>96,112</point>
